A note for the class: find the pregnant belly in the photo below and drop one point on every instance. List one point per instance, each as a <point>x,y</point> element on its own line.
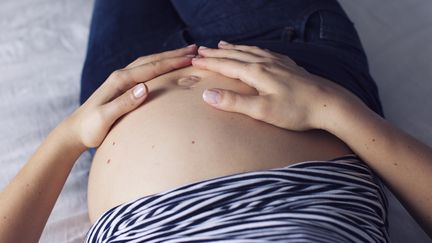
<point>175,138</point>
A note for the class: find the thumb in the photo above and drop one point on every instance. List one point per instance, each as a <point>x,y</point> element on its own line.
<point>231,101</point>
<point>125,103</point>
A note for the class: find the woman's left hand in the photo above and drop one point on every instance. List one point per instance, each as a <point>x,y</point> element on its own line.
<point>122,92</point>
<point>288,96</point>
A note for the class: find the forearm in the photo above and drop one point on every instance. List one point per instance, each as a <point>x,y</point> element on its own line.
<point>404,163</point>
<point>26,203</point>
<point>291,98</point>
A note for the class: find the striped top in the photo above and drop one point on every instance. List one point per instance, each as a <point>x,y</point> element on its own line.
<point>314,201</point>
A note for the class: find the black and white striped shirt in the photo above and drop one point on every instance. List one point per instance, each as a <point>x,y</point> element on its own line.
<point>314,201</point>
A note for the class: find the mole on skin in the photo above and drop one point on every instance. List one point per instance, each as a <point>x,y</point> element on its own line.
<point>188,82</point>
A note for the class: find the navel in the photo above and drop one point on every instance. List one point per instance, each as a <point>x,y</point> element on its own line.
<point>188,82</point>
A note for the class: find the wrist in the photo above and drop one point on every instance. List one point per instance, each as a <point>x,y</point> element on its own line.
<point>342,113</point>
<point>69,136</point>
<point>335,106</point>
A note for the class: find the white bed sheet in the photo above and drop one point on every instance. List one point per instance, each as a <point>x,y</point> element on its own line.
<point>42,48</point>
<point>397,37</point>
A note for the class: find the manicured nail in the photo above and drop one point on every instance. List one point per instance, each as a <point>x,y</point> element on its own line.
<point>190,46</point>
<point>223,43</point>
<point>211,96</point>
<point>139,90</point>
<point>202,48</point>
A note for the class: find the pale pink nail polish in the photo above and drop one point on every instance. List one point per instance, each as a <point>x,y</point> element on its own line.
<point>223,43</point>
<point>139,90</point>
<point>211,96</point>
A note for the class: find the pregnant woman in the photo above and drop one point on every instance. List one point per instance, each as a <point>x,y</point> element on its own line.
<point>274,138</point>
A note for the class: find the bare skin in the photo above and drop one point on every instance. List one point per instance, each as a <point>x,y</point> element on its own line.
<point>288,97</point>
<point>403,162</point>
<point>175,138</point>
<point>27,201</point>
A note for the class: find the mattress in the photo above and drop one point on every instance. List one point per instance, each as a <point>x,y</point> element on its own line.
<point>42,48</point>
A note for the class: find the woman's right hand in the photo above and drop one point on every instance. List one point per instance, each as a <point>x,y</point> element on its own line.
<point>121,93</point>
<point>289,96</point>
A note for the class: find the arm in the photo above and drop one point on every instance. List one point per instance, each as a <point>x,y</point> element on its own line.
<point>26,203</point>
<point>403,162</point>
<point>291,98</point>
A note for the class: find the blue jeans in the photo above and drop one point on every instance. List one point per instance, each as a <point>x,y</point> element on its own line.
<point>316,34</point>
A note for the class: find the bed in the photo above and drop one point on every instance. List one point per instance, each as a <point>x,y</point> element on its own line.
<point>42,48</point>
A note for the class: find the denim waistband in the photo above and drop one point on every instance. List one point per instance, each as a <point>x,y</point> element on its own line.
<point>317,34</point>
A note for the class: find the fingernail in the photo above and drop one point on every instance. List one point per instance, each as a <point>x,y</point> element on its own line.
<point>202,48</point>
<point>139,90</point>
<point>223,42</point>
<point>211,96</point>
<point>190,46</point>
<point>190,56</point>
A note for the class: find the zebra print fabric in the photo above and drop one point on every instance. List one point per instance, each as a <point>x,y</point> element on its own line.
<point>314,201</point>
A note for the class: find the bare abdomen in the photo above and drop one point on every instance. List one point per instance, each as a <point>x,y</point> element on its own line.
<point>174,138</point>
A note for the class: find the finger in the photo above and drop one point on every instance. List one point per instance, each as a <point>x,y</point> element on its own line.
<point>253,74</point>
<point>123,79</point>
<point>189,50</point>
<point>253,49</point>
<point>250,105</point>
<point>232,54</point>
<point>125,103</point>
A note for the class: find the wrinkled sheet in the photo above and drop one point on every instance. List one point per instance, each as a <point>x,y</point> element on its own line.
<point>42,48</point>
